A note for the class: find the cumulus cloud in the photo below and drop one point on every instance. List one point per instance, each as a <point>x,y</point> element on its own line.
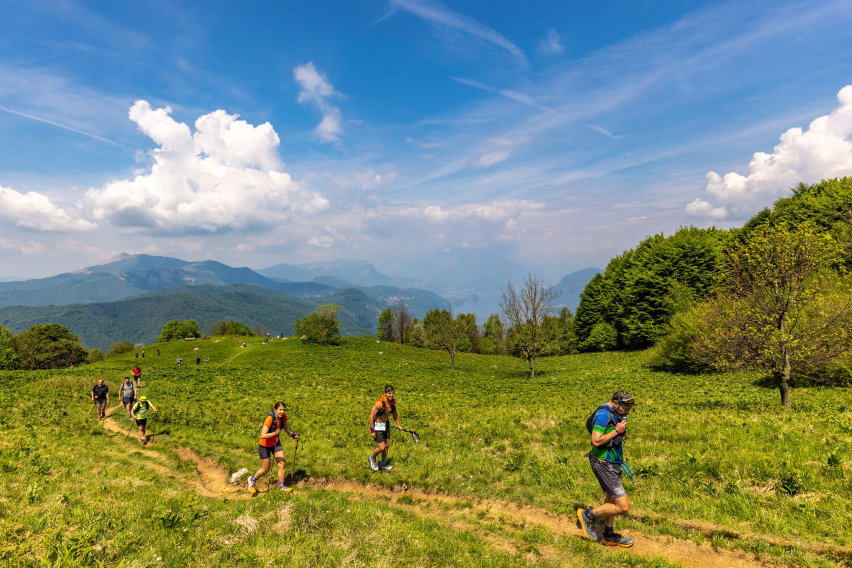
<point>822,151</point>
<point>552,44</point>
<point>226,175</point>
<point>35,211</point>
<point>316,90</point>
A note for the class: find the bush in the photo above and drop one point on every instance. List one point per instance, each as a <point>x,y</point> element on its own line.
<point>602,338</point>
<point>48,346</point>
<point>320,326</point>
<point>120,347</point>
<point>232,328</point>
<point>95,355</point>
<point>177,329</point>
<point>8,357</point>
<point>672,351</point>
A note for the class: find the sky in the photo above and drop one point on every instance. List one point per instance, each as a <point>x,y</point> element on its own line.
<point>445,141</point>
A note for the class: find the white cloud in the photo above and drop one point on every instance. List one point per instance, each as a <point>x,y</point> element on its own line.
<point>317,90</point>
<point>552,44</point>
<point>322,242</point>
<point>225,176</point>
<point>35,211</point>
<point>823,151</point>
<point>439,14</point>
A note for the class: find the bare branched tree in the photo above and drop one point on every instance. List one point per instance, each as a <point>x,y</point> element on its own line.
<point>402,323</point>
<point>525,309</point>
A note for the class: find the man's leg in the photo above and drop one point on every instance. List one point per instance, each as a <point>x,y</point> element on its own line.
<point>612,506</point>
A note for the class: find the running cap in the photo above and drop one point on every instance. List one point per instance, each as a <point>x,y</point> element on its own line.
<point>623,397</point>
<point>143,398</point>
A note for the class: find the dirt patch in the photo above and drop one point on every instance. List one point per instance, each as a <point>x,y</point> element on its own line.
<point>683,552</point>
<point>212,480</point>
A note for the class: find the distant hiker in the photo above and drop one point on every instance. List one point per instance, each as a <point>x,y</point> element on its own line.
<point>137,374</point>
<point>140,413</point>
<point>100,396</point>
<point>128,394</point>
<point>180,361</point>
<point>198,360</point>
<point>270,444</point>
<point>206,359</point>
<point>158,351</point>
<point>143,353</point>
<point>380,428</point>
<point>608,425</point>
<point>137,354</point>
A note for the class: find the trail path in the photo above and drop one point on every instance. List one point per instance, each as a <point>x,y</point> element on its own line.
<point>474,515</point>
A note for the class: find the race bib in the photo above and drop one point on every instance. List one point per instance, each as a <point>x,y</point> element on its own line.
<point>380,426</point>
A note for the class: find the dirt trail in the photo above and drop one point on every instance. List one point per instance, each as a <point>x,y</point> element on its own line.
<point>684,552</point>
<point>213,481</point>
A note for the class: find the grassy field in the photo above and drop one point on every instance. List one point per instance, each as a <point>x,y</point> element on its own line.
<point>725,477</point>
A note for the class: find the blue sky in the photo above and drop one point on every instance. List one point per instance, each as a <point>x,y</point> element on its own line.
<point>446,141</point>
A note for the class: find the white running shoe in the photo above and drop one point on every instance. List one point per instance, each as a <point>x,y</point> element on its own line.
<point>384,466</point>
<point>373,465</point>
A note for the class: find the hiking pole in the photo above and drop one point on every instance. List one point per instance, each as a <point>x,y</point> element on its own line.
<point>414,435</point>
<point>295,451</point>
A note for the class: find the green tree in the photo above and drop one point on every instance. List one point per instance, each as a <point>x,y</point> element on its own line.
<point>525,309</point>
<point>8,358</point>
<point>120,347</point>
<point>95,355</point>
<point>177,329</point>
<point>603,337</point>
<point>472,331</point>
<point>783,306</point>
<point>234,328</point>
<point>320,326</point>
<point>493,327</point>
<point>384,330</point>
<point>447,333</point>
<point>48,346</point>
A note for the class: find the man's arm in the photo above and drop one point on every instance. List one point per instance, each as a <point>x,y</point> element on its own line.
<point>600,439</point>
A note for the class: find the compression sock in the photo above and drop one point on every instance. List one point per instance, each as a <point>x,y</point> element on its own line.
<point>608,531</point>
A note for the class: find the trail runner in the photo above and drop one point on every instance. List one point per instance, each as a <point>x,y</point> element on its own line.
<point>128,394</point>
<point>380,428</point>
<point>270,445</point>
<point>137,374</point>
<point>100,396</point>
<point>140,413</point>
<point>605,457</point>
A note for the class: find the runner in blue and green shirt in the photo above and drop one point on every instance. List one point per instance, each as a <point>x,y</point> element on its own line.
<point>605,458</point>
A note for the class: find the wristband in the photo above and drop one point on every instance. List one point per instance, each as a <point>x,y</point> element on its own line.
<point>293,435</point>
<point>372,430</point>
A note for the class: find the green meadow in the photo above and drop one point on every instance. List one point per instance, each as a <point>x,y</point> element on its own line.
<point>724,476</point>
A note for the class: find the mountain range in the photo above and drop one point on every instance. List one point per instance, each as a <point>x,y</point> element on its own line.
<point>130,297</point>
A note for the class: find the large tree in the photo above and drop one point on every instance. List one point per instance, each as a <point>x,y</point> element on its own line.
<point>320,326</point>
<point>177,329</point>
<point>525,309</point>
<point>447,333</point>
<point>784,305</point>
<point>48,346</point>
<point>402,323</point>
<point>385,326</point>
<point>8,358</point>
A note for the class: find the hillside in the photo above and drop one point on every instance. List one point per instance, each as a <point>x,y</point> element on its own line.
<point>140,319</point>
<point>490,483</point>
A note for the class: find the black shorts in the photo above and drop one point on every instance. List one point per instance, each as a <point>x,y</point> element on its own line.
<point>383,435</point>
<point>141,422</point>
<point>127,399</point>
<point>267,453</point>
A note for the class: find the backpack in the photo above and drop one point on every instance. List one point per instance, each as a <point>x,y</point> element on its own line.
<point>590,421</point>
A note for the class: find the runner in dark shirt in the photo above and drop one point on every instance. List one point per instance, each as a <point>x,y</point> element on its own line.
<point>100,396</point>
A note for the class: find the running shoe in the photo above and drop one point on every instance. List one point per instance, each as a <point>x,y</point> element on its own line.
<point>383,465</point>
<point>284,488</point>
<point>617,540</point>
<point>251,485</point>
<point>586,522</point>
<point>373,465</point>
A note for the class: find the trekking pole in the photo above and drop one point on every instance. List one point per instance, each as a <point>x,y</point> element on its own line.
<point>414,435</point>
<point>295,451</point>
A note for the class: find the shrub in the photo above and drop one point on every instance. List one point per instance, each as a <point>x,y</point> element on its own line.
<point>177,329</point>
<point>95,355</point>
<point>320,326</point>
<point>120,347</point>
<point>48,346</point>
<point>232,328</point>
<point>672,351</point>
<point>603,337</point>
